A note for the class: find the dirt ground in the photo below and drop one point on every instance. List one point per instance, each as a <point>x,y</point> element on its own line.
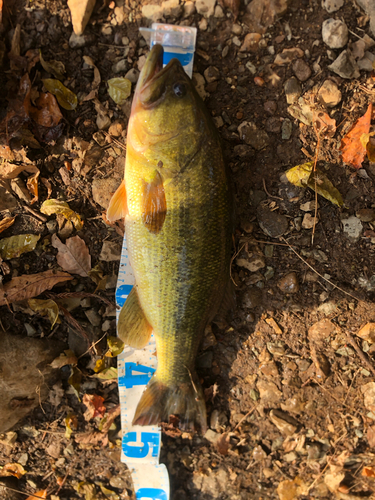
<point>289,383</point>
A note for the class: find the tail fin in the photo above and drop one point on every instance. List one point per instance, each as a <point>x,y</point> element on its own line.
<point>159,401</point>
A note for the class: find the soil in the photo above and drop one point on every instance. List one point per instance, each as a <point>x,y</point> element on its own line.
<point>285,401</point>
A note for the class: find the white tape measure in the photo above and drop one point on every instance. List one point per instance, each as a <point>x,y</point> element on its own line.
<point>141,444</point>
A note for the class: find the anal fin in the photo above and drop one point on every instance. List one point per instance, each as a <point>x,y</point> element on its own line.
<point>133,328</point>
<point>117,208</point>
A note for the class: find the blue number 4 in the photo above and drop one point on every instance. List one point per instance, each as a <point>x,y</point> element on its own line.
<point>148,439</point>
<point>129,380</point>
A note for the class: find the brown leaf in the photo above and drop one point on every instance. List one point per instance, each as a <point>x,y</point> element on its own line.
<point>5,223</point>
<point>41,494</point>
<point>32,186</point>
<point>48,185</point>
<point>73,256</point>
<point>95,407</point>
<point>12,470</point>
<point>223,444</point>
<point>47,112</point>
<point>324,124</point>
<point>30,285</point>
<point>110,418</point>
<point>12,170</point>
<point>371,436</point>
<point>368,471</point>
<point>92,438</point>
<point>352,149</point>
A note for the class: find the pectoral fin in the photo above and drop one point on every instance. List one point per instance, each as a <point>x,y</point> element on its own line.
<point>117,208</point>
<point>154,204</point>
<point>133,327</point>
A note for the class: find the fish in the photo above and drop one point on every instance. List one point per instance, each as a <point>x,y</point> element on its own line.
<point>177,201</point>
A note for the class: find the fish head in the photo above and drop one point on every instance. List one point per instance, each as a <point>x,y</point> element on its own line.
<point>167,120</point>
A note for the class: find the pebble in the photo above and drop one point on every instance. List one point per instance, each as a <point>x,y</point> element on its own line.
<point>251,42</point>
<point>211,74</point>
<point>93,316</point>
<point>329,94</point>
<point>352,227</point>
<point>152,12</point>
<point>103,189</point>
<point>120,482</point>
<point>205,7</point>
<point>116,128</point>
<point>253,262</point>
<point>250,66</point>
<point>292,89</point>
<point>308,221</point>
<point>212,436</point>
<point>332,5</point>
<point>259,453</point>
<point>272,223</point>
<point>199,83</point>
<point>301,70</point>
<point>367,333</point>
<point>236,29</point>
<point>171,8</point>
<point>273,124</point>
<point>79,41</point>
<point>268,391</point>
<point>189,9</point>
<point>309,206</point>
<point>219,122</point>
<point>335,33</point>
<point>132,75</point>
<point>287,56</point>
<point>218,12</point>
<point>111,251</point>
<point>286,129</point>
<point>366,214</point>
<point>285,427</point>
<point>121,66</point>
<point>106,30</point>
<point>217,420</point>
<point>236,41</point>
<point>322,330</point>
<point>251,135</point>
<point>270,107</point>
<point>252,298</point>
<point>289,283</point>
<point>51,226</point>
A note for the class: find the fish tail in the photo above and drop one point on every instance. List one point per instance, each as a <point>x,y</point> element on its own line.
<point>159,401</point>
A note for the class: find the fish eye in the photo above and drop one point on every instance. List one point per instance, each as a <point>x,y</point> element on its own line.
<point>179,89</point>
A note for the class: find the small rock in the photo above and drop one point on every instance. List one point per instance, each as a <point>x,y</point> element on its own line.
<point>309,206</point>
<point>106,30</point>
<point>236,29</point>
<point>202,25</point>
<point>218,420</point>
<point>367,333</point>
<point>290,457</point>
<point>292,89</point>
<point>51,226</point>
<point>270,107</point>
<point>260,14</point>
<point>335,33</point>
<point>103,189</point>
<point>253,262</point>
<point>278,417</point>
<point>369,7</point>
<point>219,122</point>
<point>286,129</point>
<point>309,221</point>
<point>268,391</point>
<point>301,70</point>
<point>330,94</point>
<point>199,83</point>
<point>79,41</point>
<point>252,298</point>
<point>273,124</point>
<point>358,49</point>
<point>289,283</point>
<point>65,176</point>
<point>218,12</point>
<point>120,482</point>
<point>111,251</point>
<point>322,330</point>
<point>132,75</point>
<point>272,223</point>
<point>257,138</point>
<point>171,8</point>
<point>250,66</point>
<point>211,74</point>
<point>189,9</point>
<point>251,42</point>
<point>352,227</point>
<point>212,436</point>
<point>259,453</point>
<point>121,66</point>
<point>332,5</point>
<point>287,56</point>
<point>94,317</point>
<point>366,63</point>
<point>366,214</point>
<point>80,12</point>
<point>116,128</point>
<point>152,12</point>
<point>205,7</point>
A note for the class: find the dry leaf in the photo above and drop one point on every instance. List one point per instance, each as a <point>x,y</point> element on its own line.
<point>222,444</point>
<point>14,246</point>
<point>53,206</point>
<point>73,256</point>
<point>38,495</point>
<point>95,407</point>
<point>66,98</point>
<point>371,436</point>
<point>12,170</point>
<point>368,391</point>
<point>110,417</point>
<point>15,470</point>
<point>119,89</point>
<point>368,471</point>
<point>96,82</point>
<point>324,124</point>
<point>107,374</point>
<point>47,112</point>
<point>108,493</point>
<point>6,222</point>
<point>304,176</point>
<point>46,308</point>
<point>92,438</point>
<point>30,285</point>
<point>115,347</point>
<point>48,185</point>
<point>66,358</point>
<point>71,422</point>
<point>352,150</point>
<point>75,380</point>
<point>56,68</point>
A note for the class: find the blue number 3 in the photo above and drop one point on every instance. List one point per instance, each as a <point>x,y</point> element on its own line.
<point>147,438</point>
<point>151,494</point>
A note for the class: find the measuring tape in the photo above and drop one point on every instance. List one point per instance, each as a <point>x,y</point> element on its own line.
<point>141,445</point>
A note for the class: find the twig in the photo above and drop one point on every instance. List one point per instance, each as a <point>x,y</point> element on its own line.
<point>74,323</point>
<point>250,240</point>
<point>351,385</point>
<point>325,279</point>
<point>268,194</point>
<point>18,491</point>
<point>245,417</point>
<point>360,353</point>
<point>68,295</point>
<point>35,213</point>
<point>93,345</point>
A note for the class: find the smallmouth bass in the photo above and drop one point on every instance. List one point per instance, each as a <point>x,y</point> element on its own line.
<point>177,204</point>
